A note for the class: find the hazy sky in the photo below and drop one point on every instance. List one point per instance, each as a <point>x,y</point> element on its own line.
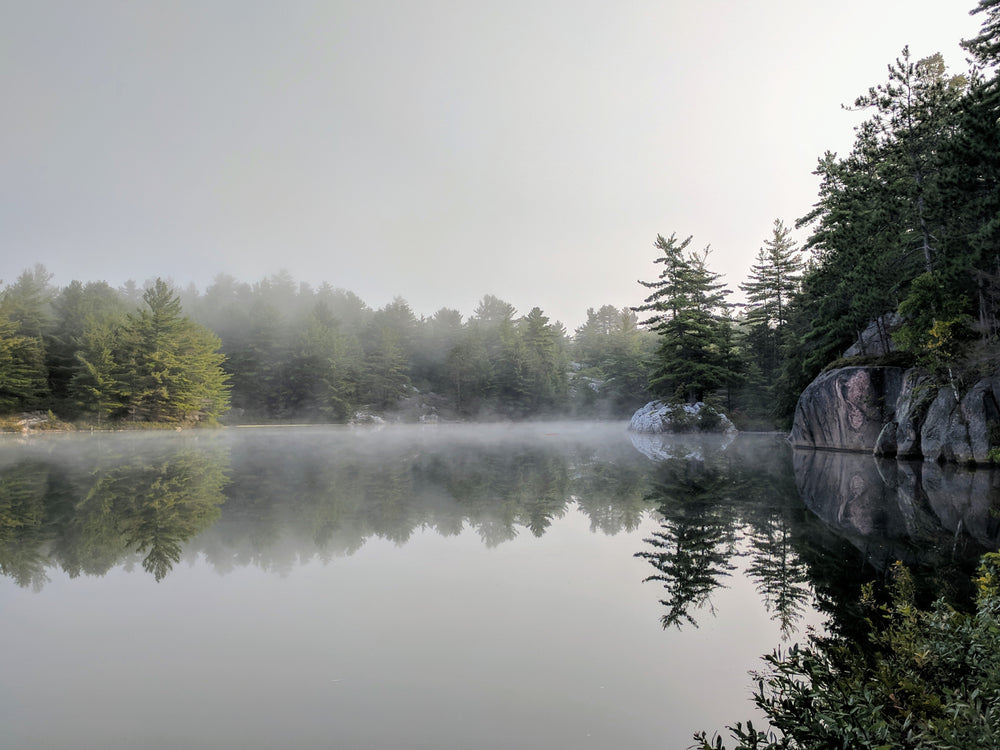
<point>434,150</point>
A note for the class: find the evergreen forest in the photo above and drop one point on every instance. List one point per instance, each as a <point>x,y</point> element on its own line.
<point>280,351</point>
<point>901,248</point>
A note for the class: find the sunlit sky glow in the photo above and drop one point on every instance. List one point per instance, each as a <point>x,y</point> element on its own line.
<point>434,150</point>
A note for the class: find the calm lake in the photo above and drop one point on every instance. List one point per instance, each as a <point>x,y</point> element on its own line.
<point>563,585</point>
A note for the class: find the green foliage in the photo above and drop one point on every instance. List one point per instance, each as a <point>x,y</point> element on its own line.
<point>169,369</point>
<point>157,505</point>
<point>118,505</point>
<point>78,346</point>
<point>22,369</point>
<point>926,679</point>
<point>288,352</point>
<point>907,221</point>
<point>771,286</point>
<point>28,301</point>
<point>690,314</point>
<point>930,299</point>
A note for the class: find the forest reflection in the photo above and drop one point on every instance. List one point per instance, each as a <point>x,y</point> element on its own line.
<point>806,529</point>
<point>810,527</point>
<point>87,513</point>
<point>277,501</point>
<point>721,505</point>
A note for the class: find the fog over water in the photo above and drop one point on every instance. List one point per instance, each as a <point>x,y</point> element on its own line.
<point>530,585</point>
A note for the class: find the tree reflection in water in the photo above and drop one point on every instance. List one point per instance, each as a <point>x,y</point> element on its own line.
<point>248,501</point>
<point>782,577</point>
<point>693,549</point>
<point>88,515</point>
<point>812,525</point>
<point>276,499</point>
<point>25,529</point>
<point>154,507</point>
<point>720,501</point>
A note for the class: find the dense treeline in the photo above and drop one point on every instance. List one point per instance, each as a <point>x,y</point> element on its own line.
<point>907,223</point>
<point>904,238</point>
<point>110,354</point>
<point>281,350</point>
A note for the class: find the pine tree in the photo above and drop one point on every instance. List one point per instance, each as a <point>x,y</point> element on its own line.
<point>612,349</point>
<point>22,369</point>
<point>773,281</point>
<point>95,385</point>
<point>28,302</point>
<point>25,320</point>
<point>985,46</point>
<point>170,369</point>
<point>324,368</point>
<point>912,120</point>
<point>386,378</point>
<point>689,313</point>
<point>86,316</point>
<point>544,368</point>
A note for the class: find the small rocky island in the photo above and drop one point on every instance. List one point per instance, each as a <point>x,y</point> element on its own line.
<point>658,417</point>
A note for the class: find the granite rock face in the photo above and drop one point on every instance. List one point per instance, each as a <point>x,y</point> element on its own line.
<point>915,398</point>
<point>846,408</point>
<point>877,337</point>
<point>903,413</point>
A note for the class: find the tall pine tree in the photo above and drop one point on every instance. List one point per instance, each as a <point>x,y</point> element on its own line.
<point>170,369</point>
<point>689,312</point>
<point>773,281</point>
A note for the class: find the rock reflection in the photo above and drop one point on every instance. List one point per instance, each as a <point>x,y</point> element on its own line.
<point>939,519</point>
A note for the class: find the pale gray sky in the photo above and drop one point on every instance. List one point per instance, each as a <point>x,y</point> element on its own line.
<point>434,150</point>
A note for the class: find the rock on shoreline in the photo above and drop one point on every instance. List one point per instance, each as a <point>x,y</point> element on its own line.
<point>890,411</point>
<point>658,417</point>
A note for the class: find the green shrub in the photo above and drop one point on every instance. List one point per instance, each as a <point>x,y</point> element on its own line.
<point>927,679</point>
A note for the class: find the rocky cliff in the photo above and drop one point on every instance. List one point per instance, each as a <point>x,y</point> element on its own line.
<point>846,408</point>
<point>894,412</point>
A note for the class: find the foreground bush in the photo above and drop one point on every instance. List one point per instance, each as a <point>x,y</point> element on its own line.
<point>927,679</point>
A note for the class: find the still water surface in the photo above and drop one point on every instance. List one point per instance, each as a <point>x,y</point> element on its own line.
<point>533,586</point>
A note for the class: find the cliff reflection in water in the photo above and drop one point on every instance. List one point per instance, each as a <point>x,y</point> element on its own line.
<point>810,527</point>
<point>937,519</point>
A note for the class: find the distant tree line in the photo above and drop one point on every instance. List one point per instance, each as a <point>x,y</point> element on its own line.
<point>281,350</point>
<point>112,355</point>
